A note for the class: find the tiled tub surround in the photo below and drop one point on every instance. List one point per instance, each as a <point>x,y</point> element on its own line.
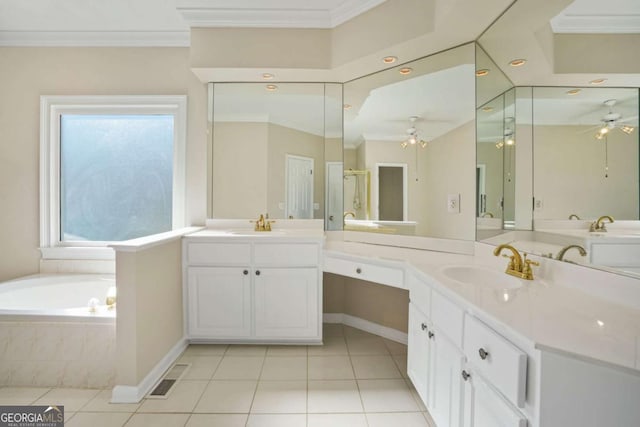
<point>48,336</point>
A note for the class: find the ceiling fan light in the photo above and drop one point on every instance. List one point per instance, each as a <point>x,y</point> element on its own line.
<point>404,144</point>
<point>627,129</point>
<point>412,139</point>
<point>603,130</point>
<point>599,135</point>
<point>423,143</point>
<point>510,141</point>
<point>499,144</point>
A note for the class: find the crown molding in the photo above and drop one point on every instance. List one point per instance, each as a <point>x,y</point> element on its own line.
<point>248,15</point>
<point>601,24</point>
<point>96,38</point>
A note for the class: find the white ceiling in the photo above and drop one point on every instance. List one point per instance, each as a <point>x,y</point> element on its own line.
<point>158,22</point>
<point>599,16</point>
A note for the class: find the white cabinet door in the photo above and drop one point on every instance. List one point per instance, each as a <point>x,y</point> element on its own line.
<point>286,302</point>
<point>219,302</point>
<point>445,397</point>
<point>484,407</point>
<point>419,352</point>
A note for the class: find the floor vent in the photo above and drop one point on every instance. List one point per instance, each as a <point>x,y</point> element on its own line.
<point>162,389</point>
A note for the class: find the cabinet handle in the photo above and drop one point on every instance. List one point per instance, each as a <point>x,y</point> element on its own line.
<point>358,270</point>
<point>424,327</point>
<point>245,272</point>
<point>465,375</point>
<point>257,272</point>
<point>483,353</point>
<point>431,334</point>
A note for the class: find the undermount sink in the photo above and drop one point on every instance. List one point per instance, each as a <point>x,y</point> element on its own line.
<point>257,233</point>
<point>481,276</point>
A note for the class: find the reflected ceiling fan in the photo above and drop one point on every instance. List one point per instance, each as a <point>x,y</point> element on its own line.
<point>412,135</point>
<point>611,121</point>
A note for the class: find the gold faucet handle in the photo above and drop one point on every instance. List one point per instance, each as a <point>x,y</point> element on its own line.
<point>267,224</point>
<point>512,262</point>
<point>527,271</point>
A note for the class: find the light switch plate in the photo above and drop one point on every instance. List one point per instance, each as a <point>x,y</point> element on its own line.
<point>539,204</point>
<point>316,206</point>
<point>453,203</point>
<point>281,206</point>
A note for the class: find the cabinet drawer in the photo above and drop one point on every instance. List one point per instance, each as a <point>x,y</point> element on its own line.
<point>228,254</point>
<point>365,271</point>
<point>419,294</point>
<point>286,254</point>
<point>496,359</point>
<point>447,317</point>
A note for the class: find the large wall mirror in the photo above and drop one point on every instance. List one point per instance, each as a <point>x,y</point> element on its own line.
<point>409,135</point>
<point>275,147</point>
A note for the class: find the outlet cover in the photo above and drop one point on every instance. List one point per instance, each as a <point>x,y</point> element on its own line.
<point>539,204</point>
<point>316,206</point>
<point>453,203</point>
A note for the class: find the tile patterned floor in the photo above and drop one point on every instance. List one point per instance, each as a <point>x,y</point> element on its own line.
<point>355,379</point>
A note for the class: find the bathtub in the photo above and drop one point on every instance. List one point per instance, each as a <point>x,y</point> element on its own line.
<point>49,336</point>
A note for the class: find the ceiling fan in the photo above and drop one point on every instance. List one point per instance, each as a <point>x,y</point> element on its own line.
<point>412,132</point>
<point>612,120</point>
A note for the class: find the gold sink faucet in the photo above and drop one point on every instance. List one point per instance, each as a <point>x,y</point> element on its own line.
<point>599,224</point>
<point>518,266</point>
<point>564,250</point>
<point>263,224</point>
<point>574,216</point>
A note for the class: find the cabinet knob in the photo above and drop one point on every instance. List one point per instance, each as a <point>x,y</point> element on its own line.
<point>257,272</point>
<point>330,217</point>
<point>465,375</point>
<point>245,272</point>
<point>358,270</point>
<point>431,334</point>
<point>424,327</point>
<point>483,353</point>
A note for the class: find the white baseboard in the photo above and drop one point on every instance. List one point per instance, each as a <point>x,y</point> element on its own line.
<point>367,326</point>
<point>134,394</point>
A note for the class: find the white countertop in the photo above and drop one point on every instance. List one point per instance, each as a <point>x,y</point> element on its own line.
<point>552,312</point>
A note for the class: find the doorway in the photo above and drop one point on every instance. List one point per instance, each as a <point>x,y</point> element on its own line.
<point>298,187</point>
<point>392,192</point>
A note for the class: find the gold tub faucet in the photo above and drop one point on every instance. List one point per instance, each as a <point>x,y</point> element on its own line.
<point>345,215</point>
<point>599,224</point>
<point>564,250</point>
<point>518,266</point>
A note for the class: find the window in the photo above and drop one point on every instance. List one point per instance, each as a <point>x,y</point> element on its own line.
<point>112,169</point>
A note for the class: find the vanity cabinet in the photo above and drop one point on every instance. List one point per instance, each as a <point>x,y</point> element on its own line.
<point>263,289</point>
<point>433,365</point>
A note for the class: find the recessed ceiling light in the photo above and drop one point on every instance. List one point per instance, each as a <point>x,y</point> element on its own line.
<point>267,76</point>
<point>487,109</point>
<point>346,106</point>
<point>389,59</point>
<point>481,73</point>
<point>271,87</point>
<point>406,70</point>
<point>597,81</point>
<point>573,91</point>
<point>517,62</point>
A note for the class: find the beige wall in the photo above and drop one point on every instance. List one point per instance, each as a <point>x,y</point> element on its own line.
<point>239,180</point>
<point>569,175</point>
<point>450,166</point>
<point>384,305</point>
<point>149,301</point>
<point>27,73</point>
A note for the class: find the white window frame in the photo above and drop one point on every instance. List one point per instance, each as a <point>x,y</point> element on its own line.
<point>51,108</point>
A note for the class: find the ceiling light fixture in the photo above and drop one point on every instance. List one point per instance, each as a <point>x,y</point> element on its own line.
<point>271,88</point>
<point>518,62</point>
<point>405,70</point>
<point>346,106</point>
<point>597,81</point>
<point>573,91</point>
<point>612,120</point>
<point>487,109</point>
<point>413,138</point>
<point>389,59</point>
<point>482,73</point>
<point>267,76</point>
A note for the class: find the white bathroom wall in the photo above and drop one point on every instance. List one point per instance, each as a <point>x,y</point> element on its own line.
<point>28,73</point>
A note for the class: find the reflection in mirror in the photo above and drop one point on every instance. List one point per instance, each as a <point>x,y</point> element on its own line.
<point>495,149</point>
<point>269,141</point>
<point>586,168</point>
<point>408,148</point>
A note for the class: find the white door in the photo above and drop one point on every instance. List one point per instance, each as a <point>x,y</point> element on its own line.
<point>219,302</point>
<point>484,407</point>
<point>299,187</point>
<point>419,352</point>
<point>333,202</point>
<point>286,302</point>
<point>445,396</point>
